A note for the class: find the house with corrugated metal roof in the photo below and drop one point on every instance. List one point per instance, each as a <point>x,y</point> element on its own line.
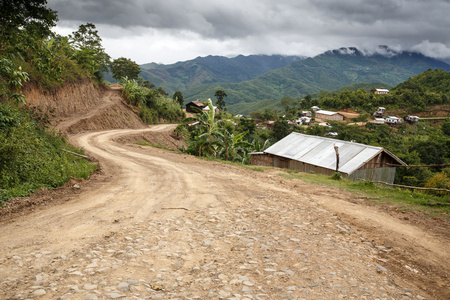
<point>308,153</point>
<point>392,120</point>
<point>329,115</point>
<point>381,91</point>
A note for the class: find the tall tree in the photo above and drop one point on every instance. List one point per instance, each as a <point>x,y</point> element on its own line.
<point>220,95</point>
<point>124,67</point>
<point>288,103</point>
<point>17,16</point>
<point>162,92</point>
<point>178,96</point>
<point>91,53</point>
<point>281,129</point>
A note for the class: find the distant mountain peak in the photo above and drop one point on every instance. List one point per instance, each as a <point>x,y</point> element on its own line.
<point>383,50</point>
<point>345,51</point>
<point>386,51</point>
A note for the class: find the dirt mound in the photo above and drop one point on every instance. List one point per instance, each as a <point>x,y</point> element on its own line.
<point>66,100</point>
<point>79,107</point>
<point>41,198</point>
<point>116,86</point>
<point>114,116</point>
<point>164,139</point>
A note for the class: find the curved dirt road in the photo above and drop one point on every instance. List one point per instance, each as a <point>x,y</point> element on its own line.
<point>164,225</point>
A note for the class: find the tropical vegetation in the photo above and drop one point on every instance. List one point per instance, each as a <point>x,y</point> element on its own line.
<point>31,157</point>
<point>154,105</point>
<point>209,137</point>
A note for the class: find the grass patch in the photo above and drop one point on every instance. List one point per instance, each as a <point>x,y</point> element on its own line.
<point>405,200</point>
<point>259,169</point>
<point>160,146</point>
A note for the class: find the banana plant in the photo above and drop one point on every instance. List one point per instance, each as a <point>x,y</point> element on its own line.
<point>258,147</point>
<point>231,146</point>
<point>203,143</point>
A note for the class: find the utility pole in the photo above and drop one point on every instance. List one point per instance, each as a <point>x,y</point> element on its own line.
<point>336,148</point>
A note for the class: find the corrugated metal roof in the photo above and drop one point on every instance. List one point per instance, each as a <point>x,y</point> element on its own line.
<point>319,151</point>
<point>327,112</point>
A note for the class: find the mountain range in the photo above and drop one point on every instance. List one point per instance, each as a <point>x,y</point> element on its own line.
<point>267,79</point>
<point>211,69</point>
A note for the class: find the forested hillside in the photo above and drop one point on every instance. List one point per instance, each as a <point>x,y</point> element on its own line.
<point>210,69</point>
<point>328,71</point>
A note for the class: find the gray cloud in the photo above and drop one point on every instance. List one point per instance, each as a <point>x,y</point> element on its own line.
<point>263,26</point>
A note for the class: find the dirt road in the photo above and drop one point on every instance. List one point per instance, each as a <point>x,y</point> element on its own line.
<point>163,225</point>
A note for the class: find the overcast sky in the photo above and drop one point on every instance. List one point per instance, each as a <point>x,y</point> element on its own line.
<point>167,31</point>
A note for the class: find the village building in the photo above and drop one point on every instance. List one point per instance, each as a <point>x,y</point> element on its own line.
<point>194,106</point>
<point>329,115</point>
<point>315,108</point>
<point>302,121</point>
<point>308,153</point>
<point>378,121</point>
<point>412,119</point>
<point>307,113</point>
<point>216,109</point>
<point>380,112</point>
<point>305,120</point>
<point>192,123</point>
<point>381,92</point>
<point>392,120</point>
<point>269,124</point>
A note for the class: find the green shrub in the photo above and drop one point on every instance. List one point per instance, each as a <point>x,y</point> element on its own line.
<point>148,115</point>
<point>31,157</point>
<point>439,181</point>
<point>336,176</point>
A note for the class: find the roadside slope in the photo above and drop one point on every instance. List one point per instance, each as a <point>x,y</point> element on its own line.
<point>82,107</point>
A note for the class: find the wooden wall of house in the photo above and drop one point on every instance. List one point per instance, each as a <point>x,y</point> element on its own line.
<point>335,117</point>
<point>375,170</point>
<point>382,160</point>
<point>299,166</point>
<point>386,174</point>
<point>261,159</point>
<point>281,162</point>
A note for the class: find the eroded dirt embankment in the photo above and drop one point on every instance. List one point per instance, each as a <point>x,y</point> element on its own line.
<point>65,101</point>
<point>79,107</point>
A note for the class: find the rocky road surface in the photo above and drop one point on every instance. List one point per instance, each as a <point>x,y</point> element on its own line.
<point>164,225</point>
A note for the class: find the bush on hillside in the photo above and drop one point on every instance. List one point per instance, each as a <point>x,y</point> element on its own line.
<point>31,157</point>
